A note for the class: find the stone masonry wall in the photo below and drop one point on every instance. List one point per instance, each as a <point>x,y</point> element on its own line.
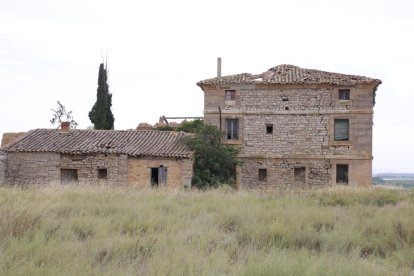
<point>44,168</point>
<point>306,128</point>
<point>280,173</point>
<point>292,135</point>
<point>32,168</point>
<point>318,98</point>
<point>88,165</point>
<point>303,119</point>
<point>179,171</point>
<point>299,135</point>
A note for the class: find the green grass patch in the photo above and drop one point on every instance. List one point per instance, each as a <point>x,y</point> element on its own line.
<point>112,230</point>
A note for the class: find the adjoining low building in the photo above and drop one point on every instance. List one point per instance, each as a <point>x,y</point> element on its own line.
<point>295,126</point>
<point>118,157</point>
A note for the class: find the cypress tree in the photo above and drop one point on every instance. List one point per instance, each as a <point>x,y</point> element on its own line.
<point>101,115</point>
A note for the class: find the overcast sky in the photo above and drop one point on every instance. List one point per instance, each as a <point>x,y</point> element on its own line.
<point>157,50</point>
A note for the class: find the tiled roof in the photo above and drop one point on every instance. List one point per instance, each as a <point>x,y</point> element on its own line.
<point>131,142</point>
<point>290,74</point>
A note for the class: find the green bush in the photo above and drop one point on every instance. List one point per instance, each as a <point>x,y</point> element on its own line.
<point>214,163</point>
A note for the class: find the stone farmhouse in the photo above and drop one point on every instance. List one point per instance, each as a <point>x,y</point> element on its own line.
<point>295,126</point>
<point>119,157</point>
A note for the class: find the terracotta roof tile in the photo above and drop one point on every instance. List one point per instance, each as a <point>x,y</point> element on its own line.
<point>290,74</point>
<point>131,142</point>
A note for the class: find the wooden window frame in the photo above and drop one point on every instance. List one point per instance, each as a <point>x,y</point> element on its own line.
<point>232,131</point>
<point>346,92</point>
<point>337,120</point>
<point>229,95</point>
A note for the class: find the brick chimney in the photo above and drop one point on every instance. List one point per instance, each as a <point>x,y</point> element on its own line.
<point>64,126</point>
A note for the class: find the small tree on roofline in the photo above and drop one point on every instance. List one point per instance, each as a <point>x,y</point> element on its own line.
<point>61,114</point>
<point>191,126</point>
<point>215,163</point>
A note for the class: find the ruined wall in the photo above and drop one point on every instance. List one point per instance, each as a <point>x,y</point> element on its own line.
<point>44,168</point>
<point>179,171</point>
<point>10,136</point>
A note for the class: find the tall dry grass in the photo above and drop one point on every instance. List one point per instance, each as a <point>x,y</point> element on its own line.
<point>109,230</point>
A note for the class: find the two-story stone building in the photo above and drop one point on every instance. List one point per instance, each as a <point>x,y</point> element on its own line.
<point>295,126</point>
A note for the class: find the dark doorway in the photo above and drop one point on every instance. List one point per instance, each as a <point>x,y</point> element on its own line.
<point>342,174</point>
<point>154,176</point>
<point>158,176</point>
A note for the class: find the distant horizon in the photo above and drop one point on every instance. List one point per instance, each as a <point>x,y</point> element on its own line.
<point>411,174</point>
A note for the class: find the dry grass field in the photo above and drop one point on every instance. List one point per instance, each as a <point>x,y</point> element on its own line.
<point>120,231</point>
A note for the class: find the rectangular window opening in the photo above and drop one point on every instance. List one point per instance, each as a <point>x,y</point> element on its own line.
<point>232,129</point>
<point>230,95</point>
<point>262,174</point>
<point>103,174</point>
<point>269,129</point>
<point>342,174</point>
<point>68,176</point>
<point>341,130</point>
<point>300,174</point>
<point>344,94</point>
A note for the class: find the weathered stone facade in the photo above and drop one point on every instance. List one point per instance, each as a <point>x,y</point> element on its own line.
<point>179,171</point>
<point>45,168</point>
<point>138,158</point>
<point>290,124</point>
<point>32,168</point>
<point>87,167</point>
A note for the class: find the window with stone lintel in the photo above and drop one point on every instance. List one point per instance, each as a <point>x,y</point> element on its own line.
<point>232,129</point>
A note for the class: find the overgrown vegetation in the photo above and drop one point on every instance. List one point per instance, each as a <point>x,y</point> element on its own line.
<point>191,126</point>
<point>186,126</point>
<point>121,231</point>
<point>214,162</point>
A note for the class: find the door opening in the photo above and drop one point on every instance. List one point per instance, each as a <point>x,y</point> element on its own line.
<point>158,176</point>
